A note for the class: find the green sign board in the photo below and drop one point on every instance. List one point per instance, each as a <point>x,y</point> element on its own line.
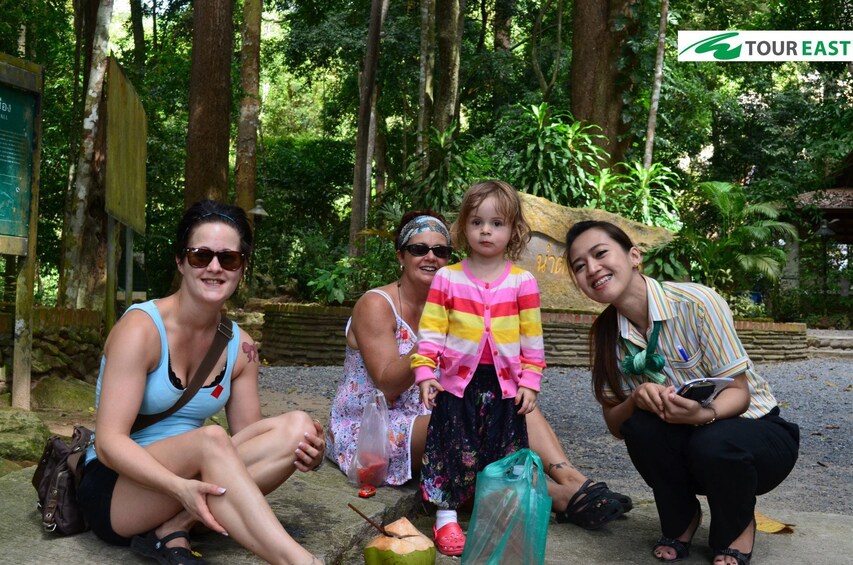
<point>17,123</point>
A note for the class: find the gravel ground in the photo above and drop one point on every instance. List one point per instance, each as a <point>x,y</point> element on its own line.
<point>817,394</point>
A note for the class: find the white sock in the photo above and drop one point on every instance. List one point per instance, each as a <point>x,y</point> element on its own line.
<point>444,517</point>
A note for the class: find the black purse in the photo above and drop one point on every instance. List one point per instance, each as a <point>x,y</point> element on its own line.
<point>60,469</point>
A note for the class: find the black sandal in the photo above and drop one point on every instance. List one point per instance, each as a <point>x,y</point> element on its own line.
<point>624,499</point>
<point>682,548</point>
<point>592,506</point>
<point>151,546</point>
<point>742,558</point>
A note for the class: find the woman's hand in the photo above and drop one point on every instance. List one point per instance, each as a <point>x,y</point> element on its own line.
<point>649,397</point>
<point>309,453</point>
<point>429,390</point>
<point>527,398</point>
<point>680,410</point>
<point>193,497</point>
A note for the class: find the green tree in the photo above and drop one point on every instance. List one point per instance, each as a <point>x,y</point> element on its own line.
<point>727,242</point>
<point>558,157</point>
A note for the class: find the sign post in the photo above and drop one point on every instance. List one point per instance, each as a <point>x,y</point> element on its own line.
<point>127,134</point>
<point>21,84</point>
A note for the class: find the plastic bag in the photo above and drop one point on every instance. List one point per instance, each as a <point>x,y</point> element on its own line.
<point>512,509</point>
<point>370,465</point>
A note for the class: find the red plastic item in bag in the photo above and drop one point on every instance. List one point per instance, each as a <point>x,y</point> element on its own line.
<point>370,464</point>
<point>371,469</point>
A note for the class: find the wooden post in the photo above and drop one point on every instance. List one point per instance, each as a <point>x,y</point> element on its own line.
<point>128,267</point>
<point>112,275</point>
<point>28,77</point>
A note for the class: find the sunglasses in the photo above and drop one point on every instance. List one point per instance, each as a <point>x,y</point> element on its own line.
<point>421,249</point>
<point>200,258</point>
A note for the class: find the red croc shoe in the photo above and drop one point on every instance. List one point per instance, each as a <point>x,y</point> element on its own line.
<point>449,539</point>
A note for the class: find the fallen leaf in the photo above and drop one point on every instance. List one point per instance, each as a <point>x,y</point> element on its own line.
<point>770,526</point>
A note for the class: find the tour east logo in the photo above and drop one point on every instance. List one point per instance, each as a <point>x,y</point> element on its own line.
<point>765,46</point>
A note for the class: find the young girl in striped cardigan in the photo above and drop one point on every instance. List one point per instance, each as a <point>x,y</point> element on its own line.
<point>480,354</point>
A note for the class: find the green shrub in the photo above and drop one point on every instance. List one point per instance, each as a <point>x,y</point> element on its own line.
<point>744,308</point>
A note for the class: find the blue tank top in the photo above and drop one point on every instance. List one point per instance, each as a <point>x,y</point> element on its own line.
<point>160,393</point>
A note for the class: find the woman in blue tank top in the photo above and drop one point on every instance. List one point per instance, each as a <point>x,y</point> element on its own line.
<point>147,489</point>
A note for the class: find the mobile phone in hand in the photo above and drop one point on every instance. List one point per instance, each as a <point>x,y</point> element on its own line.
<point>700,391</point>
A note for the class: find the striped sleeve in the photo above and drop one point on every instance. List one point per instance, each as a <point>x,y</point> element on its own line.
<point>724,352</point>
<point>432,329</point>
<point>530,327</point>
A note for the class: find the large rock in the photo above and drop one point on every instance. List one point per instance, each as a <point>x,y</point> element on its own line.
<point>53,393</point>
<point>22,435</point>
<point>544,256</point>
<point>7,467</point>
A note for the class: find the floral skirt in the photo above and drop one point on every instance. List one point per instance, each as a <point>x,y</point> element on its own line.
<point>466,434</point>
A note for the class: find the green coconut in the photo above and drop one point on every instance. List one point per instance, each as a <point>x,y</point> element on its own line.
<point>411,548</point>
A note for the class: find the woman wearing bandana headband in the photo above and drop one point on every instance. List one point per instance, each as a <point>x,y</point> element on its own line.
<point>380,339</point>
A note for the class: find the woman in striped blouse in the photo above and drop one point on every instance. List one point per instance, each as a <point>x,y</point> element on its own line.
<point>652,338</point>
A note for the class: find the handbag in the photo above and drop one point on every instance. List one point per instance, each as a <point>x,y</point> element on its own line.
<point>61,466</point>
<point>512,509</point>
<point>370,464</point>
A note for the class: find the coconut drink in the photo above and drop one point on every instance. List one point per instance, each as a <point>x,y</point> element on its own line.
<point>404,545</point>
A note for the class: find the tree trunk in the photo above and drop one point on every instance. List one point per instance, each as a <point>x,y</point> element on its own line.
<point>245,169</point>
<point>138,35</point>
<point>380,159</point>
<point>425,85</point>
<point>596,50</point>
<point>360,181</point>
<point>84,242</point>
<point>85,16</point>
<point>504,11</point>
<point>653,109</point>
<point>154,24</point>
<point>484,26</point>
<point>449,20</point>
<point>210,102</point>
<point>547,85</point>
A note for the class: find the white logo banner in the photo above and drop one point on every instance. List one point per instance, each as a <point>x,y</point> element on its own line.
<point>765,46</point>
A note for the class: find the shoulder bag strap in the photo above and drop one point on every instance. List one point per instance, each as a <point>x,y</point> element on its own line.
<point>220,340</point>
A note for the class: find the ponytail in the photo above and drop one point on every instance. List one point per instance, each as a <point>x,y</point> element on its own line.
<point>603,341</point>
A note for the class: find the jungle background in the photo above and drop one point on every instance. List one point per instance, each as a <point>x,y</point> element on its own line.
<point>340,115</point>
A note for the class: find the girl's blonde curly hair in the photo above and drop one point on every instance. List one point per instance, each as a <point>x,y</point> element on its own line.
<point>508,205</point>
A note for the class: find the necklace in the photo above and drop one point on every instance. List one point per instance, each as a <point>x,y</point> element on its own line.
<point>401,302</point>
<point>400,298</point>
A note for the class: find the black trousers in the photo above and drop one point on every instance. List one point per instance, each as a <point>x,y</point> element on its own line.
<point>730,461</point>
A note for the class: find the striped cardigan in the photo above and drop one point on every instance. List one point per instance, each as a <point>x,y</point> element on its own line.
<point>462,314</point>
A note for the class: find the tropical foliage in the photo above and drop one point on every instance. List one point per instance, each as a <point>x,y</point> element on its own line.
<point>730,138</point>
<point>727,241</point>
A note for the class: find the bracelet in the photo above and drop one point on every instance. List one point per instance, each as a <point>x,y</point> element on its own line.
<point>712,420</point>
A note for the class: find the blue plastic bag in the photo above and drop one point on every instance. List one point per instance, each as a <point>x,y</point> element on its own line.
<point>511,513</point>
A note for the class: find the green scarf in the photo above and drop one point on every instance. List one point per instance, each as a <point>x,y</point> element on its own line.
<point>645,361</point>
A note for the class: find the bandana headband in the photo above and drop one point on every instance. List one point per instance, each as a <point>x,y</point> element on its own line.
<point>421,224</point>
